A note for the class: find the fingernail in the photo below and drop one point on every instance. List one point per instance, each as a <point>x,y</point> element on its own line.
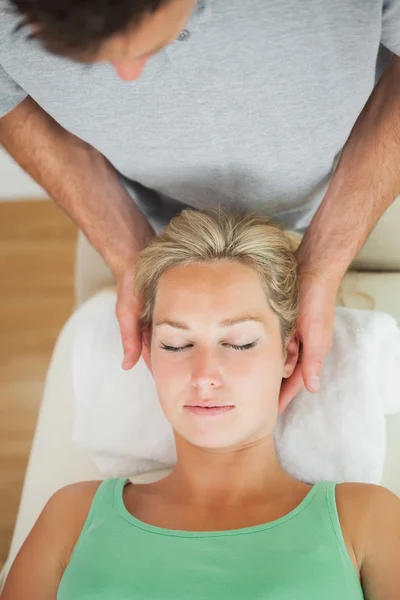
<point>314,383</point>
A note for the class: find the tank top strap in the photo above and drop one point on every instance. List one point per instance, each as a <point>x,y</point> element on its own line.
<point>330,489</point>
<point>104,500</point>
<point>324,505</point>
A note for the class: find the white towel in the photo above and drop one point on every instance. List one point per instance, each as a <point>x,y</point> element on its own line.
<point>337,434</point>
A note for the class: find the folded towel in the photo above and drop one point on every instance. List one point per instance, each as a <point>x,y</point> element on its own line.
<point>337,434</point>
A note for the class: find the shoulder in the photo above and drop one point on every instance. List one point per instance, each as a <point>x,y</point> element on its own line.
<point>375,512</point>
<point>43,557</point>
<point>82,491</point>
<point>70,505</point>
<point>365,498</point>
<point>361,501</point>
<point>73,498</point>
<point>366,511</point>
<point>62,519</point>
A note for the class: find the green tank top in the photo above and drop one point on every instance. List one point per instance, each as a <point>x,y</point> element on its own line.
<point>301,556</point>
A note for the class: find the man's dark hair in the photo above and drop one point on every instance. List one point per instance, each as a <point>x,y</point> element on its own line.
<point>77,28</point>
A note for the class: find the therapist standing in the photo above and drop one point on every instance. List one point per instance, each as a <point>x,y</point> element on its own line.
<point>128,111</point>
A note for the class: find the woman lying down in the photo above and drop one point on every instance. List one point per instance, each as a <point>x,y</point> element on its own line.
<point>219,298</point>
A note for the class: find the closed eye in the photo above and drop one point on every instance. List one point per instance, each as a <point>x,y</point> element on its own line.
<point>181,348</point>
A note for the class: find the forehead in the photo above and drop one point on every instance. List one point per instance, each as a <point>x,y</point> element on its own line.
<point>222,286</point>
<point>214,275</point>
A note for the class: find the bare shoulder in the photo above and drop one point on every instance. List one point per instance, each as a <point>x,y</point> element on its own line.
<point>365,502</point>
<point>372,514</point>
<point>43,557</point>
<point>361,500</point>
<point>80,492</point>
<point>70,506</point>
<point>65,513</point>
<point>73,498</point>
<point>365,512</point>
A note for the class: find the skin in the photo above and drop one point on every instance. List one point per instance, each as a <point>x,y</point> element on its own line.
<point>227,475</point>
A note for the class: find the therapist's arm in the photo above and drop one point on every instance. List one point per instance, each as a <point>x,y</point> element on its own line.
<point>365,183</point>
<point>86,186</point>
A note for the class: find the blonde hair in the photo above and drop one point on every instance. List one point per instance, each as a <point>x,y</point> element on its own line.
<point>204,236</point>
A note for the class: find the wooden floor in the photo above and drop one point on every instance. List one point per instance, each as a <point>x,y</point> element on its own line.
<point>37,247</point>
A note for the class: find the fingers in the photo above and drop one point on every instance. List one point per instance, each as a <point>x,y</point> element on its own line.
<point>130,334</point>
<point>315,325</point>
<point>128,315</point>
<point>317,342</point>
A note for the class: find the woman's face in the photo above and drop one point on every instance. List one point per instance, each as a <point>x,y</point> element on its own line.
<point>197,359</point>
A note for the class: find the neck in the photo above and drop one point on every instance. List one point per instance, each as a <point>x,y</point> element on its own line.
<point>229,478</point>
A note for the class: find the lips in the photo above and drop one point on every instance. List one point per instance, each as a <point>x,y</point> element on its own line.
<point>208,410</point>
<point>210,405</point>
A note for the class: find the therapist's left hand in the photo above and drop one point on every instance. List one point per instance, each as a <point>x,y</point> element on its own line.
<point>315,328</point>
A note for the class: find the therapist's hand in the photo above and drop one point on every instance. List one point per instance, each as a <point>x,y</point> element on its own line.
<point>128,315</point>
<point>315,328</point>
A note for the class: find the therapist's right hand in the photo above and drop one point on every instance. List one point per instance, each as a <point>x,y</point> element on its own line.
<point>128,315</point>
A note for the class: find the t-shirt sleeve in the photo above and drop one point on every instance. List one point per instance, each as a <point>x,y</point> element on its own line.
<point>11,94</point>
<point>390,36</point>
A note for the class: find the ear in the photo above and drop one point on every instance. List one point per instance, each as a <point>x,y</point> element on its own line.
<point>292,355</point>
<point>291,373</point>
<point>146,346</point>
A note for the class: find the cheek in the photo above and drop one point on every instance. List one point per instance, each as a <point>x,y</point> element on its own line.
<point>262,368</point>
<point>168,376</point>
<point>258,389</point>
<point>166,367</point>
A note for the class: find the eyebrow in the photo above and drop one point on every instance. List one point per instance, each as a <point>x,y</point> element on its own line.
<point>225,323</point>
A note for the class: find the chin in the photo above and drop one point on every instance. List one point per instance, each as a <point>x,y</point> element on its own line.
<point>213,440</point>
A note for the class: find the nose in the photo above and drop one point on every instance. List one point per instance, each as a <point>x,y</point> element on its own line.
<point>205,373</point>
<point>130,70</point>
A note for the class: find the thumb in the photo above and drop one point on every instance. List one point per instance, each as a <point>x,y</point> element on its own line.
<point>311,371</point>
<point>315,325</point>
<point>316,343</point>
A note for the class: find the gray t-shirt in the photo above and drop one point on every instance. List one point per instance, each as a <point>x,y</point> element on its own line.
<point>250,106</point>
